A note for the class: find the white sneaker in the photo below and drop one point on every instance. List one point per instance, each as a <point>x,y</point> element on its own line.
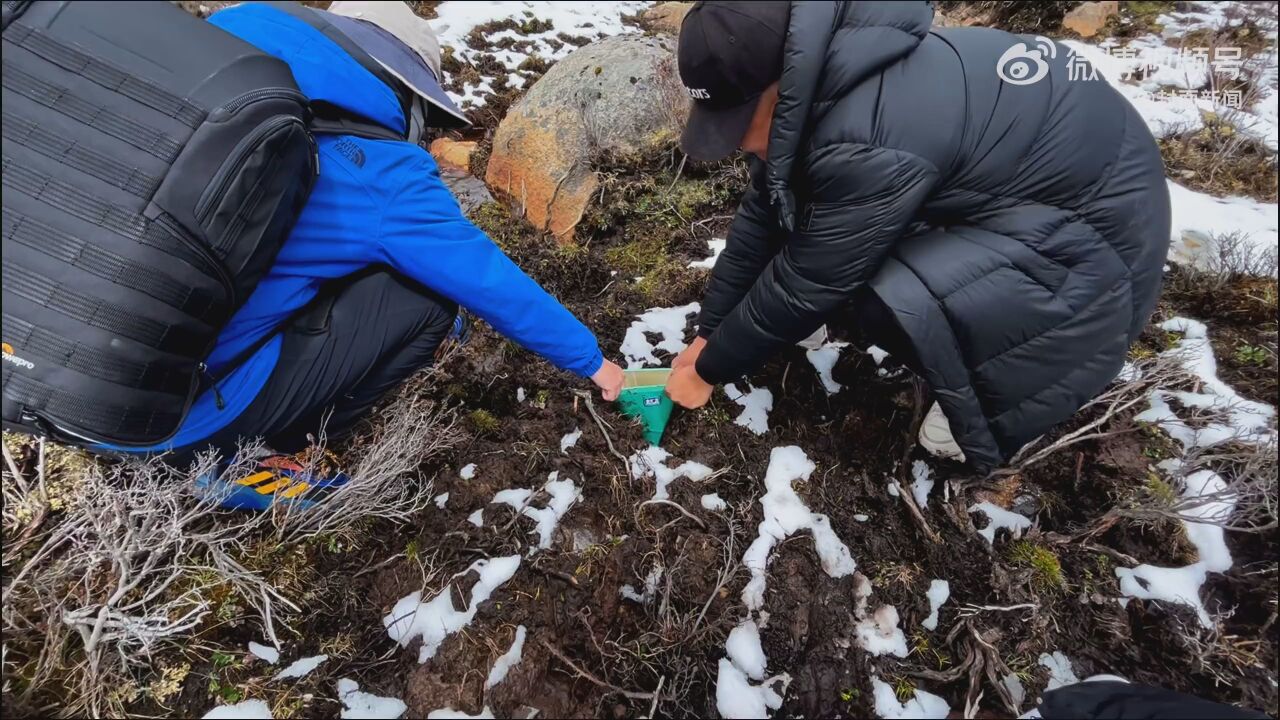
<point>936,438</point>
<point>816,340</point>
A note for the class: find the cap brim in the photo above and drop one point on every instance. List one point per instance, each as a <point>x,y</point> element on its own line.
<point>399,60</point>
<point>716,133</point>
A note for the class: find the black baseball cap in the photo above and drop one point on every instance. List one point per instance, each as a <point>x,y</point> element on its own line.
<point>729,53</point>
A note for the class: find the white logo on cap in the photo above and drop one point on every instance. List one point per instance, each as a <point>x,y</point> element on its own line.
<point>698,93</point>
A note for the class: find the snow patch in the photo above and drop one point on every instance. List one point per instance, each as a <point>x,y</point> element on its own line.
<point>468,471</point>
<point>563,494</point>
<point>923,705</point>
<point>1060,672</point>
<point>1000,519</point>
<point>437,619</point>
<point>784,515</point>
<point>264,652</point>
<point>1236,418</point>
<point>1128,373</point>
<point>824,361</point>
<point>669,323</point>
<point>509,659</point>
<point>650,587</point>
<point>520,394</point>
<point>569,440</point>
<point>247,710</point>
<point>756,404</point>
<point>1175,585</point>
<point>713,502</point>
<point>442,499</point>
<point>716,246</point>
<point>451,714</point>
<point>301,668</point>
<point>939,592</point>
<point>878,354</point>
<point>358,705</point>
<point>477,518</point>
<point>921,485</point>
<point>736,697</point>
<point>1017,692</point>
<point>1198,217</point>
<point>880,634</point>
<point>745,651</point>
<point>652,462</point>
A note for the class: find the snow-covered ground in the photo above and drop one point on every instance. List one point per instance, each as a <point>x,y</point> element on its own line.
<point>744,687</point>
<point>455,19</point>
<point>1162,78</point>
<point>669,324</point>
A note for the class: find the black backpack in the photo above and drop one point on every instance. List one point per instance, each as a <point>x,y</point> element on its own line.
<point>153,167</point>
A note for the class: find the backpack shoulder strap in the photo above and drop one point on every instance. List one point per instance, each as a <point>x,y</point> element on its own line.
<point>329,120</point>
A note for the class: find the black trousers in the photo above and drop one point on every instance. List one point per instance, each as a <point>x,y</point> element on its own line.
<point>361,337</point>
<point>873,323</point>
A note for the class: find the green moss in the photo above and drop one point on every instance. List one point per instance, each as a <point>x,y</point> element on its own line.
<point>1251,355</point>
<point>496,222</point>
<point>714,415</point>
<point>483,421</point>
<point>637,257</point>
<point>1045,566</point>
<point>1159,492</point>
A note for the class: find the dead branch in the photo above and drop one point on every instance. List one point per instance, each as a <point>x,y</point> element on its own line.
<point>591,407</point>
<point>904,464</point>
<point>384,477</point>
<point>629,694</point>
<point>678,506</point>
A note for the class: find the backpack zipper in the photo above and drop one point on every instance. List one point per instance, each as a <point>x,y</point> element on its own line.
<point>213,263</point>
<point>231,168</point>
<point>253,96</point>
<point>213,385</point>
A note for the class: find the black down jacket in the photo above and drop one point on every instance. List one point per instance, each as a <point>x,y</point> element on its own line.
<point>1017,232</point>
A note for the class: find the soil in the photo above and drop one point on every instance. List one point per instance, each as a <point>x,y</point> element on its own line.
<point>589,652</point>
<point>568,596</point>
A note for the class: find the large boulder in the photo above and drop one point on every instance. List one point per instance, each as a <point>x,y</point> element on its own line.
<point>1090,18</point>
<point>618,96</point>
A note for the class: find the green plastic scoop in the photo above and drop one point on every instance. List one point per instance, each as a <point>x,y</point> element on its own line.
<point>643,397</point>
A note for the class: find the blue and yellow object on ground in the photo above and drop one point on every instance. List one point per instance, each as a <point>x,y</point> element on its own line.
<point>275,479</point>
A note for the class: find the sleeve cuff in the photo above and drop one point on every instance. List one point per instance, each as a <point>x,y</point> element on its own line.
<point>714,367</point>
<point>595,364</point>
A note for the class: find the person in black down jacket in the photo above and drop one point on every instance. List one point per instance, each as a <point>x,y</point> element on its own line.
<point>986,211</point>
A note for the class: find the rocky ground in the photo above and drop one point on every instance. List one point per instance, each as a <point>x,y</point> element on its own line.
<point>638,585</point>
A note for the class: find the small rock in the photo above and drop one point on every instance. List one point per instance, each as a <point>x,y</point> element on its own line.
<point>453,154</point>
<point>666,17</point>
<point>1089,18</point>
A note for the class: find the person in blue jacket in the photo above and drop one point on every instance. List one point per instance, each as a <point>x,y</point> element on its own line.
<point>368,283</point>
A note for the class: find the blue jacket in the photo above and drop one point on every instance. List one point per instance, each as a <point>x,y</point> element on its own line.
<point>375,202</point>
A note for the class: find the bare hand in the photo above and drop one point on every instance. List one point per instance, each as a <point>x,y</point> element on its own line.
<point>687,389</point>
<point>689,355</point>
<point>609,379</point>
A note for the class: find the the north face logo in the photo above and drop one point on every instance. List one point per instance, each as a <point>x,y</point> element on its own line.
<point>350,151</point>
